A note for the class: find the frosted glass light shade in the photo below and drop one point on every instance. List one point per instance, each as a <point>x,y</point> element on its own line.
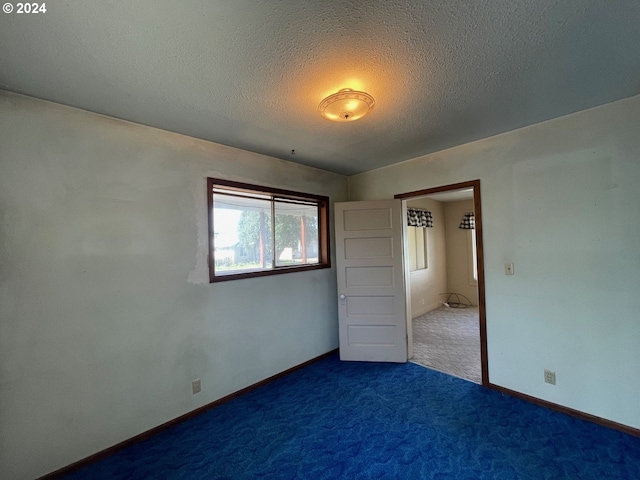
<point>346,105</point>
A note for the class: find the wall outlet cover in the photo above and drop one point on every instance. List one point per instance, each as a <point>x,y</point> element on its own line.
<point>196,386</point>
<point>550,377</point>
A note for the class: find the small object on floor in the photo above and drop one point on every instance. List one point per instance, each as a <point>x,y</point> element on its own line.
<point>456,303</point>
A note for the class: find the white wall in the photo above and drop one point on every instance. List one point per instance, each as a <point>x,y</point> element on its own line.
<point>459,278</point>
<point>427,284</point>
<point>559,199</point>
<point>106,313</point>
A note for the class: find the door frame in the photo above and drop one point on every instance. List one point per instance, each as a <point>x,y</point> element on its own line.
<point>482,309</point>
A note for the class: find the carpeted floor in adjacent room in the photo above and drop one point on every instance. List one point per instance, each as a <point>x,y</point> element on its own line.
<point>448,340</point>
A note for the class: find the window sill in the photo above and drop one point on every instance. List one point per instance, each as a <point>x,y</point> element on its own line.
<point>266,273</point>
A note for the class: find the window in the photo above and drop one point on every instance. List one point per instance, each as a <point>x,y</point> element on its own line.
<point>417,237</point>
<point>256,231</point>
<point>472,256</point>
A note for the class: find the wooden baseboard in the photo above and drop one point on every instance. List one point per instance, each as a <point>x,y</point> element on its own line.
<point>569,411</point>
<point>171,423</point>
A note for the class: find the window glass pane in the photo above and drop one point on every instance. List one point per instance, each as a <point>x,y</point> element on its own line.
<point>296,233</point>
<point>411,237</point>
<point>242,238</point>
<point>474,255</point>
<point>421,248</point>
<point>417,237</point>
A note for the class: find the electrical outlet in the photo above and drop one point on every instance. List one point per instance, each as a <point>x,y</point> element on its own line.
<point>508,268</point>
<point>549,377</point>
<point>196,386</point>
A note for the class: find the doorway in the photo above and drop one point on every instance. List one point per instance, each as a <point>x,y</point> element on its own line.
<point>445,280</point>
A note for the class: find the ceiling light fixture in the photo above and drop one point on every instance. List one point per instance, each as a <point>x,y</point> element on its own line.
<point>346,105</point>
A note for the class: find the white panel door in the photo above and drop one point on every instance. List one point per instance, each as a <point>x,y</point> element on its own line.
<point>371,282</point>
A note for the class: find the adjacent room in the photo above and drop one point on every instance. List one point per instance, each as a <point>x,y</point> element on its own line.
<point>201,212</point>
<point>443,283</point>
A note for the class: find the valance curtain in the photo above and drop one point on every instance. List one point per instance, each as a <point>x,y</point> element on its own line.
<point>468,221</point>
<point>419,217</point>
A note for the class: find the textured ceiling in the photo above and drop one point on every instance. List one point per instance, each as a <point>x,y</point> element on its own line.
<point>250,74</point>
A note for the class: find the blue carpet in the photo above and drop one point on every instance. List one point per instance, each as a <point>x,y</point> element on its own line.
<point>335,420</point>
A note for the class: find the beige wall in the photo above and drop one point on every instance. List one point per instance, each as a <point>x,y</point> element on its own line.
<point>428,284</point>
<point>106,312</point>
<point>560,200</point>
<point>459,277</point>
